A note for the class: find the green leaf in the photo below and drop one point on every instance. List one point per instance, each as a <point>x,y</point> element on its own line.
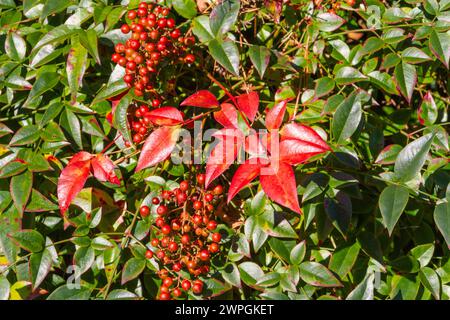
<point>339,211</point>
<point>54,6</point>
<point>70,122</point>
<point>56,35</point>
<point>25,135</point>
<point>121,294</point>
<point>298,253</point>
<point>347,117</point>
<point>30,240</point>
<point>83,258</point>
<point>51,113</point>
<point>76,67</point>
<point>112,90</point>
<point>132,269</point>
<point>230,274</point>
<point>68,292</point>
<point>423,253</point>
<point>11,169</point>
<point>40,264</point>
<point>223,16</point>
<point>431,6</point>
<point>269,279</point>
<point>120,119</point>
<point>202,29</point>
<point>343,259</point>
<point>323,87</point>
<point>21,189</point>
<point>15,46</point>
<point>442,218</point>
<point>392,203</point>
<point>414,55</point>
<point>275,225</point>
<point>364,290</point>
<point>430,280</point>
<point>440,46</point>
<point>4,288</point>
<point>185,8</point>
<point>348,75</point>
<point>405,76</point>
<point>317,275</point>
<point>260,57</point>
<point>328,22</point>
<point>404,288</point>
<point>89,40</point>
<point>226,53</point>
<point>39,203</point>
<point>250,273</point>
<point>45,82</point>
<point>412,158</point>
<point>389,154</point>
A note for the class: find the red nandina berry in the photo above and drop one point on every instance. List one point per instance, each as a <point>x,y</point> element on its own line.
<point>122,62</point>
<point>149,254</point>
<point>155,56</point>
<point>197,288</point>
<point>218,190</point>
<point>204,255</point>
<point>150,47</point>
<point>177,292</point>
<point>168,282</point>
<point>138,92</point>
<point>142,12</point>
<point>139,28</point>
<point>209,197</point>
<point>213,247</point>
<point>154,242</point>
<point>154,34</point>
<point>143,5</point>
<point>190,58</point>
<point>160,254</point>
<point>216,237</point>
<point>162,23</point>
<point>212,225</point>
<point>186,285</point>
<point>164,296</point>
<point>131,65</point>
<point>170,23</point>
<point>166,229</point>
<point>351,3</point>
<point>185,239</point>
<point>145,211</point>
<point>165,242</point>
<point>165,12</point>
<point>155,201</point>
<point>210,207</point>
<point>143,36</point>
<point>197,219</point>
<point>201,179</point>
<point>191,264</point>
<point>181,198</point>
<point>156,103</point>
<point>134,44</point>
<point>144,109</point>
<point>132,15</point>
<point>137,138</point>
<point>128,78</point>
<point>161,47</point>
<point>177,267</point>
<point>173,246</point>
<point>162,210</point>
<point>184,185</point>
<point>175,34</point>
<point>125,29</point>
<point>143,130</point>
<point>115,57</point>
<point>160,222</point>
<point>198,205</point>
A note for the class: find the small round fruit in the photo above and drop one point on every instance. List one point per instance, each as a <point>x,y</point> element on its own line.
<point>162,210</point>
<point>164,296</point>
<point>209,197</point>
<point>154,242</point>
<point>149,254</point>
<point>155,201</point>
<point>197,288</point>
<point>125,29</point>
<point>212,225</point>
<point>185,239</point>
<point>160,254</point>
<point>216,237</point>
<point>168,282</point>
<point>204,255</point>
<point>166,229</point>
<point>186,285</point>
<point>201,179</point>
<point>214,247</point>
<point>218,190</point>
<point>177,292</point>
<point>198,205</point>
<point>177,267</point>
<point>132,15</point>
<point>173,246</point>
<point>184,185</point>
<point>145,211</point>
<point>190,58</point>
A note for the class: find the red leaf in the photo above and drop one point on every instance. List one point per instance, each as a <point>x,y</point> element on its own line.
<point>295,131</point>
<point>227,116</point>
<point>274,117</point>
<point>72,179</point>
<point>245,174</point>
<point>201,99</point>
<point>296,151</point>
<point>278,182</point>
<point>158,147</point>
<point>103,169</point>
<point>256,144</point>
<point>224,153</point>
<point>165,116</point>
<point>248,104</point>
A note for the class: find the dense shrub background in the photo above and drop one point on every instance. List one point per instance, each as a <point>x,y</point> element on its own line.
<point>371,79</point>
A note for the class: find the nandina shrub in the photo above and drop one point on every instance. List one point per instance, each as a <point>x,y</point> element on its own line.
<point>224,149</point>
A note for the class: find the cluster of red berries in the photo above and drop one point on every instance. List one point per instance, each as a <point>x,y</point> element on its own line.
<point>186,236</point>
<point>154,39</point>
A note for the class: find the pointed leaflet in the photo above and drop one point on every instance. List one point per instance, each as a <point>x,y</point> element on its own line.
<point>72,179</point>
<point>392,203</point>
<point>280,186</point>
<point>245,174</point>
<point>76,67</point>
<point>39,265</point>
<point>158,147</point>
<point>201,99</point>
<point>440,46</point>
<point>428,111</point>
<point>405,76</point>
<point>227,116</point>
<point>20,188</point>
<point>260,57</point>
<point>274,117</point>
<point>295,131</point>
<point>165,116</point>
<point>442,217</point>
<point>224,153</point>
<point>103,169</point>
<point>248,104</point>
